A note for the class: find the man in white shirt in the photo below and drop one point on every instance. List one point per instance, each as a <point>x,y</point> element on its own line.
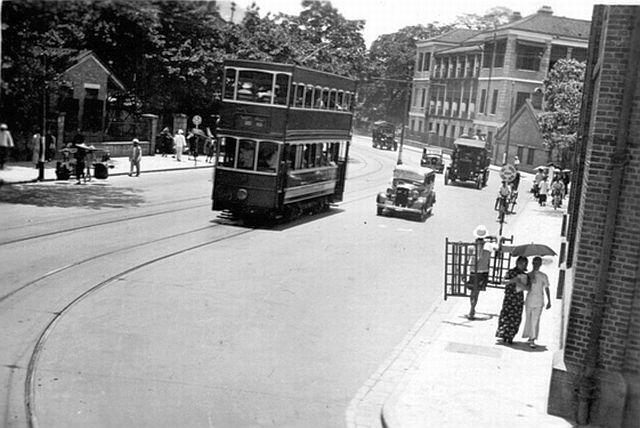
<point>535,301</point>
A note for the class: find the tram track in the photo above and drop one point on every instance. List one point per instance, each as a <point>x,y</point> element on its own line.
<point>30,380</point>
<point>50,317</point>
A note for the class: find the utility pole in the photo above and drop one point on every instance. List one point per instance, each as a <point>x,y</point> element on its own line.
<point>505,158</point>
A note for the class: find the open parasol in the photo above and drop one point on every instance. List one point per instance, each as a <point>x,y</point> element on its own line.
<point>528,250</point>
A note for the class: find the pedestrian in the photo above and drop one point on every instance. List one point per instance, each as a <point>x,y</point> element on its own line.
<point>50,140</point>
<point>178,144</point>
<point>536,182</point>
<point>166,142</point>
<point>534,301</point>
<point>6,143</point>
<point>88,160</point>
<point>516,181</point>
<point>135,157</point>
<point>542,192</point>
<point>478,261</point>
<point>80,155</point>
<point>192,143</point>
<point>39,153</point>
<point>516,161</point>
<point>208,148</point>
<point>511,313</point>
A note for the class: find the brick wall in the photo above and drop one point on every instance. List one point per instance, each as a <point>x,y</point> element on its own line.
<point>618,353</point>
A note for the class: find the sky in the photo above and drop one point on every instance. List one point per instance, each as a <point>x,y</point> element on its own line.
<point>388,16</point>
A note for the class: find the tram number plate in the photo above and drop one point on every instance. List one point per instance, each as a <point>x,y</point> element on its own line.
<point>252,122</point>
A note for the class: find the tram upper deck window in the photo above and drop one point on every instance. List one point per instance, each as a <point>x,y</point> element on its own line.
<point>228,151</point>
<point>298,95</point>
<point>229,83</point>
<point>308,97</point>
<point>255,86</point>
<point>281,89</point>
<point>267,156</point>
<point>246,154</point>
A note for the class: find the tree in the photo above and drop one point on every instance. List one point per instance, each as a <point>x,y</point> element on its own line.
<point>389,71</point>
<point>562,100</point>
<point>491,19</point>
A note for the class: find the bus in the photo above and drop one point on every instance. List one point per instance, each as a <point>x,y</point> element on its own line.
<point>283,140</point>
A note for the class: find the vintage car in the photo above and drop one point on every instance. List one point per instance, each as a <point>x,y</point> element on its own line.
<point>470,161</point>
<point>411,192</point>
<point>384,135</point>
<point>432,159</point>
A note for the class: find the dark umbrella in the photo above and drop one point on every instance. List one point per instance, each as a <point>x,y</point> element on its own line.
<point>528,250</point>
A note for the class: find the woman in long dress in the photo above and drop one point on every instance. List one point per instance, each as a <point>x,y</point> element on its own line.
<point>513,302</point>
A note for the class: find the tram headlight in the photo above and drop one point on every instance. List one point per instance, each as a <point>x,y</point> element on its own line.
<point>242,194</point>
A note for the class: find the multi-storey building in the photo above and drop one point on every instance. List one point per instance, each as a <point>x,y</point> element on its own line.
<point>471,82</point>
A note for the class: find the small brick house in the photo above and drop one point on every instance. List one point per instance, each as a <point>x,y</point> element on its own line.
<point>525,140</point>
<point>86,86</point>
<point>596,374</point>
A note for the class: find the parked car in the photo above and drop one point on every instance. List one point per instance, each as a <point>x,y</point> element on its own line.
<point>384,135</point>
<point>411,192</point>
<point>432,159</point>
<point>470,161</point>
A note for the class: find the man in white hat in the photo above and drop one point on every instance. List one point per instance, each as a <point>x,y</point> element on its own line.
<point>178,143</point>
<point>135,157</point>
<point>478,262</point>
<point>6,143</point>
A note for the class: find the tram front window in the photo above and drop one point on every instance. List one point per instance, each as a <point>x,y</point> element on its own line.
<point>228,149</point>
<point>246,154</point>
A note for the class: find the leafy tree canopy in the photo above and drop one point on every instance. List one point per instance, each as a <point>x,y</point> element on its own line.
<point>563,98</point>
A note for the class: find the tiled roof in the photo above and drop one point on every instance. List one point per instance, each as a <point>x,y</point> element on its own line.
<point>549,24</point>
<point>457,35</point>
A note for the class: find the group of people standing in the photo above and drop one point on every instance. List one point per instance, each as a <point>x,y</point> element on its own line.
<point>517,281</point>
<point>554,183</point>
<point>175,144</point>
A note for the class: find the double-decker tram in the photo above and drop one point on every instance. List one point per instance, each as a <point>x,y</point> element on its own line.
<point>284,138</point>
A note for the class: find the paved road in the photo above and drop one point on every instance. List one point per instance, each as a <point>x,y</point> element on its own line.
<point>166,315</point>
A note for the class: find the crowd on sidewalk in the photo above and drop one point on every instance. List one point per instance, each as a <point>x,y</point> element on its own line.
<point>79,159</point>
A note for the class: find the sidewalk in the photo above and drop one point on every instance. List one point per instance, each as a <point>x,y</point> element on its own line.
<point>462,376</point>
<point>25,172</point>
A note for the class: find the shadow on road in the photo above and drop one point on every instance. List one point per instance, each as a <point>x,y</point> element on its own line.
<point>94,196</point>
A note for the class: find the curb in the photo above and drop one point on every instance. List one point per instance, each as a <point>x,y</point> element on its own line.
<point>115,174</point>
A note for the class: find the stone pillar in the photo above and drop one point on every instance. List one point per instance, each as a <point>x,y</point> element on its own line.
<point>60,143</point>
<point>152,122</point>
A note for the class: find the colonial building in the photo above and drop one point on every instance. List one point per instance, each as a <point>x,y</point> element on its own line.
<point>471,82</point>
<point>596,374</point>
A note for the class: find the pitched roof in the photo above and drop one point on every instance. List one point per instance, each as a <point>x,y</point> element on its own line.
<point>457,35</point>
<point>549,24</point>
<point>526,108</point>
<point>88,54</point>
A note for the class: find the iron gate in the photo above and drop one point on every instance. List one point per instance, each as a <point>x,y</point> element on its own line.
<point>457,267</point>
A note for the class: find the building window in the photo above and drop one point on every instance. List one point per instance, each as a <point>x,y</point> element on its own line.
<point>444,130</point>
<point>420,60</point>
<point>430,126</point>
<point>494,101</point>
<point>579,54</point>
<point>528,55</point>
<point>557,52</point>
<point>413,124</point>
<point>520,152</point>
<point>530,155</point>
<point>500,47</point>
<point>453,131</point>
<point>419,126</point>
<point>489,138</point>
<point>483,96</point>
<point>427,59</point>
<point>424,94</point>
<point>445,67</point>
<point>521,98</point>
<point>437,129</point>
<point>415,97</point>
